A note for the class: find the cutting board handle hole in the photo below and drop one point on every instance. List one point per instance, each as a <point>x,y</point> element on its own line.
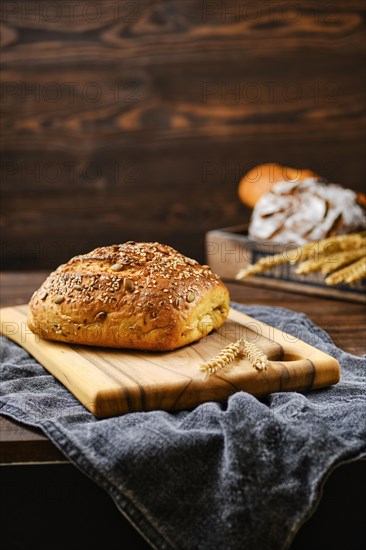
<point>285,357</point>
<point>291,357</point>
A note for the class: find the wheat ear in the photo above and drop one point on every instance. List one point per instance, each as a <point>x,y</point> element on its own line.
<point>342,259</point>
<point>222,359</point>
<point>257,358</point>
<point>227,355</point>
<point>312,255</point>
<point>334,244</point>
<point>349,274</point>
<point>267,263</point>
<point>328,259</point>
<point>311,265</point>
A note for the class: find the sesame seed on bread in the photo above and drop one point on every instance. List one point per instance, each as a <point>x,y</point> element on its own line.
<point>134,295</point>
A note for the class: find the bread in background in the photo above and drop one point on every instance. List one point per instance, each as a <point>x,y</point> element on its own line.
<point>304,211</point>
<point>296,206</point>
<point>261,179</point>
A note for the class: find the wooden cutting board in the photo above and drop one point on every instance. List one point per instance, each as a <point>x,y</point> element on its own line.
<point>110,382</point>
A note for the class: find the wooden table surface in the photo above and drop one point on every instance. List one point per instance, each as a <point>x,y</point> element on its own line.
<point>345,322</point>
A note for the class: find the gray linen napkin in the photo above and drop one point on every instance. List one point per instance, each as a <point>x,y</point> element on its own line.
<point>242,474</point>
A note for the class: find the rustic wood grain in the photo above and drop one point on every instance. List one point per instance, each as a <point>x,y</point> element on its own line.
<point>20,445</point>
<point>17,287</point>
<point>137,120</point>
<point>111,382</point>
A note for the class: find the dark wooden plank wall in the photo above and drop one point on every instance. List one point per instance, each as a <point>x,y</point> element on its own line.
<point>135,120</point>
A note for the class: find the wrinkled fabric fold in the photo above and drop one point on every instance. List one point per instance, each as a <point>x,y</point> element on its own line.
<point>241,474</point>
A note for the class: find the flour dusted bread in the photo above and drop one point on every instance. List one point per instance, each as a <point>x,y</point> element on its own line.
<point>304,211</point>
<point>135,295</point>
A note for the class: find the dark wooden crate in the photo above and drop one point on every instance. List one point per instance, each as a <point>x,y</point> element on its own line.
<point>230,249</point>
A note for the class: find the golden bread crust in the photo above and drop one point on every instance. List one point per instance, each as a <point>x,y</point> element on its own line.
<point>134,295</point>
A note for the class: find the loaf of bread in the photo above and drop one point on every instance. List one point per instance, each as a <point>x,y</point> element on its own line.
<point>142,296</point>
<point>304,211</point>
<point>262,178</point>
